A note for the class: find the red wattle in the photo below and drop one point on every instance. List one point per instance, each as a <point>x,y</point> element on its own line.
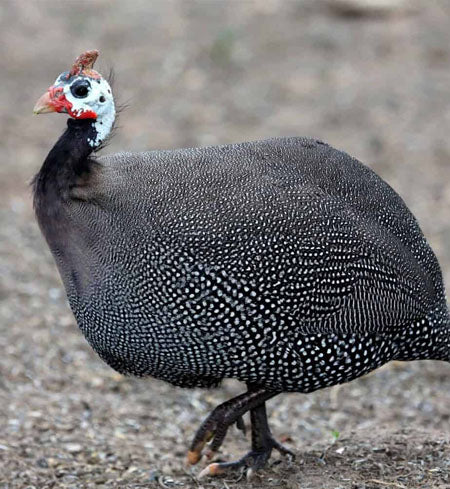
<point>87,114</point>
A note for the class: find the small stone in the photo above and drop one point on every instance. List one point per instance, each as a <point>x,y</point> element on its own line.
<point>42,463</point>
<point>73,447</point>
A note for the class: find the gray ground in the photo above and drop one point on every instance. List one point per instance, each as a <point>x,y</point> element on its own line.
<point>197,73</point>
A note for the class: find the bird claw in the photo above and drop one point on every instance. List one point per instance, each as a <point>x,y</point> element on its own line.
<point>211,470</point>
<point>193,457</point>
<point>195,453</point>
<point>250,463</point>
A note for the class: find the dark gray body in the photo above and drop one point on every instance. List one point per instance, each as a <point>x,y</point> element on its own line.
<point>285,263</point>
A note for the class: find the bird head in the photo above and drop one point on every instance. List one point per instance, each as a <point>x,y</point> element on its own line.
<point>80,92</point>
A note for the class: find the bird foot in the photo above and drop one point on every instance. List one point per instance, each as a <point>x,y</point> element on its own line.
<point>214,429</point>
<point>250,463</point>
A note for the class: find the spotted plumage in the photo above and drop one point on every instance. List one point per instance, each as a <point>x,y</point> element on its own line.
<point>284,263</point>
<point>243,261</point>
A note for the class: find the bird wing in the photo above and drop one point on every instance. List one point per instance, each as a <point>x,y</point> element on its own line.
<point>332,272</point>
<point>279,232</point>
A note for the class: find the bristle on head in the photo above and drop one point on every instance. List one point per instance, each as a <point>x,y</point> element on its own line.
<point>84,63</point>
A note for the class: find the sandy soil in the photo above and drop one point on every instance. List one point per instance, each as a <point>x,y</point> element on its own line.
<point>197,73</point>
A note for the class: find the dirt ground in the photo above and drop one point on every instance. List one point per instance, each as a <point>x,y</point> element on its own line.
<point>197,73</point>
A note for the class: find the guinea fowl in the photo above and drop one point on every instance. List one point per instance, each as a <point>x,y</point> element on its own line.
<point>285,264</point>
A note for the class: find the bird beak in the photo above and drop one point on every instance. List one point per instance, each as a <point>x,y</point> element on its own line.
<point>53,100</point>
<point>44,104</point>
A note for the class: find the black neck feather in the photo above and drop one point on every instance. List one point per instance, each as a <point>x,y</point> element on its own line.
<point>66,162</point>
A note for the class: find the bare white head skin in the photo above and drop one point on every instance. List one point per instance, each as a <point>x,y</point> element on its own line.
<point>83,94</point>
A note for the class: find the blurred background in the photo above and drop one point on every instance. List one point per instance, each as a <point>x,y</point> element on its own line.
<point>370,77</point>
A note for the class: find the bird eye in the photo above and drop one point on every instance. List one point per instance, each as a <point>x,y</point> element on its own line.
<point>102,99</point>
<point>80,89</point>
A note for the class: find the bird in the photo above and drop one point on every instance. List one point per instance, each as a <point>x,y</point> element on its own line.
<point>284,263</point>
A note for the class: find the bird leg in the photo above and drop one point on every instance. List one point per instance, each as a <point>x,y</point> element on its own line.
<point>215,426</point>
<point>262,445</point>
